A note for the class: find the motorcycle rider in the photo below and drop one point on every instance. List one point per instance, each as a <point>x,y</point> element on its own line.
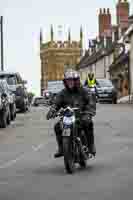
<point>74,95</point>
<point>90,81</point>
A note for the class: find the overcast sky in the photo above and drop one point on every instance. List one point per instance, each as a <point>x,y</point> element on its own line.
<point>24,18</point>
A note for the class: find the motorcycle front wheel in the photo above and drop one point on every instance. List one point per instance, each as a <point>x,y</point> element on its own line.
<point>68,155</point>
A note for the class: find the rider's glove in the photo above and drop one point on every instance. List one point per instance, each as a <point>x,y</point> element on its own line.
<point>51,113</point>
<point>89,118</point>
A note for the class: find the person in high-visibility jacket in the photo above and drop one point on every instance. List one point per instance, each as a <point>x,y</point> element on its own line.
<point>90,81</point>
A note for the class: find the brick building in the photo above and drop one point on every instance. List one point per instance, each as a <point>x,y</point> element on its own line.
<point>122,13</point>
<point>106,29</point>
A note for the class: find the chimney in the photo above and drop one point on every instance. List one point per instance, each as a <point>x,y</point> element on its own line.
<point>104,22</point>
<point>122,10</point>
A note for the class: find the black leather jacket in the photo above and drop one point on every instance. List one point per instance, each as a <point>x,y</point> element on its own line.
<point>78,98</point>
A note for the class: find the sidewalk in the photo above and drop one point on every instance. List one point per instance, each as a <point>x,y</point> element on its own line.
<point>125,100</point>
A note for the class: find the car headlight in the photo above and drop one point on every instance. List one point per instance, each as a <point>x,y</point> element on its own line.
<point>99,91</point>
<point>47,94</point>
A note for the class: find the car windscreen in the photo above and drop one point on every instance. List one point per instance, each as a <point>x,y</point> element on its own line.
<point>11,79</point>
<point>104,83</point>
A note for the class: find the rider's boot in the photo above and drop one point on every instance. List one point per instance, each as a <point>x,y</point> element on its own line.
<point>59,153</point>
<point>93,149</point>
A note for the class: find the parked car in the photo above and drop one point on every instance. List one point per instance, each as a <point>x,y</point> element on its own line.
<point>46,94</point>
<point>4,107</point>
<point>17,86</point>
<point>49,96</point>
<point>11,98</point>
<point>106,91</point>
<point>54,87</point>
<point>39,101</point>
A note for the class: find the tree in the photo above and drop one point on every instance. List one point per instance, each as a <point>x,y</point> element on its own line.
<point>30,96</point>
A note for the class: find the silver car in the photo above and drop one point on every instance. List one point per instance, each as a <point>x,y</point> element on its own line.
<point>17,86</point>
<point>105,91</point>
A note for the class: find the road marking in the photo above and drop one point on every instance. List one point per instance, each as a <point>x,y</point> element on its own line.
<point>38,147</point>
<point>12,162</point>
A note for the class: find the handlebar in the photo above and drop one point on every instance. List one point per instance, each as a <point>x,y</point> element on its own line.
<point>63,110</point>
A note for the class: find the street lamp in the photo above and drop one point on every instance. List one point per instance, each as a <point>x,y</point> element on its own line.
<point>2,48</point>
<point>104,60</point>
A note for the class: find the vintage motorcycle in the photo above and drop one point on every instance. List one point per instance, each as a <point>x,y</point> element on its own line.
<point>75,146</point>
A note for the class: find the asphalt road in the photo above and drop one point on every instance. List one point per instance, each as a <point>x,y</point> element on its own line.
<point>28,170</point>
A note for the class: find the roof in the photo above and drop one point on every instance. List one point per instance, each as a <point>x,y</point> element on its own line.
<point>83,59</point>
<point>8,72</point>
<point>88,60</point>
<point>129,31</point>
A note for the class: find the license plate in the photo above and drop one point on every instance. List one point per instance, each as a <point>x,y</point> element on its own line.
<point>103,95</point>
<point>67,132</point>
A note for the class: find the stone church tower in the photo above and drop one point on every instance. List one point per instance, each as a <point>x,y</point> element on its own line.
<point>57,56</point>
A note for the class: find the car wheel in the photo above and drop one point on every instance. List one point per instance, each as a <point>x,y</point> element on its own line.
<point>114,101</point>
<point>15,115</point>
<point>13,112</point>
<point>3,120</point>
<point>9,118</point>
<point>24,108</point>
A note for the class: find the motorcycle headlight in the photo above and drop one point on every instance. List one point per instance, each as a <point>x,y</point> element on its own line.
<point>92,89</point>
<point>68,120</point>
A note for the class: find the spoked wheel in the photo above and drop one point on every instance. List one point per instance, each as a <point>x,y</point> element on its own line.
<point>68,155</point>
